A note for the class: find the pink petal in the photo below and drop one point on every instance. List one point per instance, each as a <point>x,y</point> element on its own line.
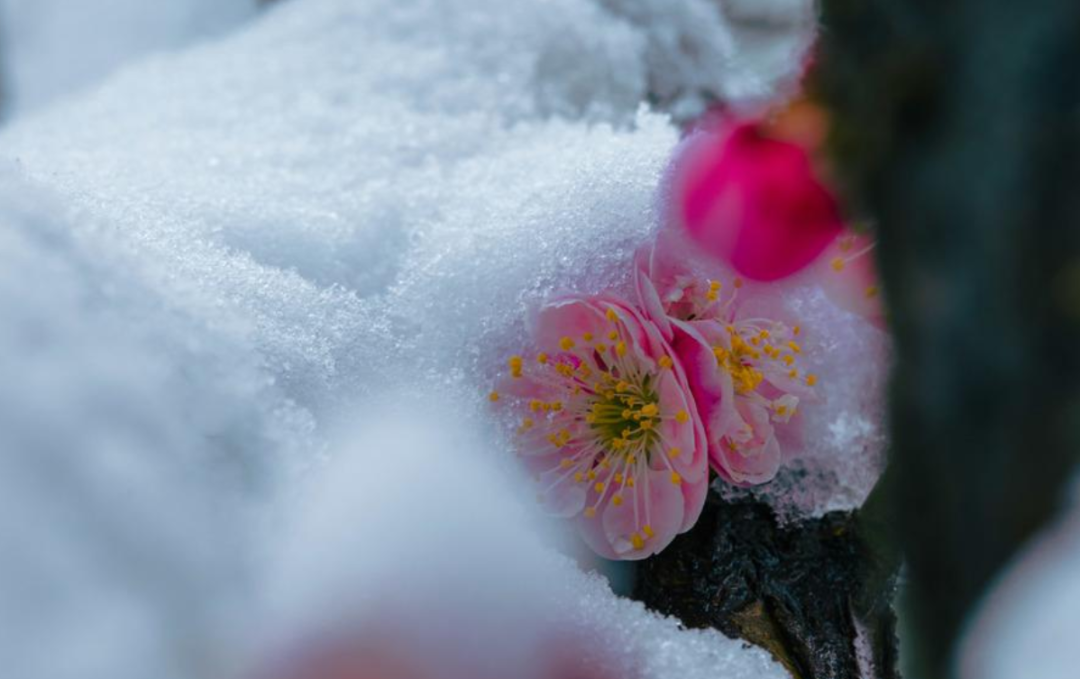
<point>593,534</point>
<point>651,304</point>
<point>693,501</point>
<point>566,317</point>
<point>754,202</point>
<point>854,286</point>
<point>711,386</point>
<point>688,437</point>
<point>664,516</point>
<point>754,464</point>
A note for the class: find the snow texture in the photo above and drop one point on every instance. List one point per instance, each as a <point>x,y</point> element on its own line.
<point>53,47</point>
<point>220,267</point>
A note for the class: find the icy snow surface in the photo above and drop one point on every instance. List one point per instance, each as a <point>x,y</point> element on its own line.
<point>220,269</point>
<point>49,48</point>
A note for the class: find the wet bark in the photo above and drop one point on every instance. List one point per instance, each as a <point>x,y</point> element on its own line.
<point>957,133</point>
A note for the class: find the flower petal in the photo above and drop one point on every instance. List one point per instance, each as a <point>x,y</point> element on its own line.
<point>657,506</point>
<point>754,202</point>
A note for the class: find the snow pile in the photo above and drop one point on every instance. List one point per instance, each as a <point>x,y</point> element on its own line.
<point>256,241</point>
<point>49,48</point>
<point>410,539</point>
<point>137,445</point>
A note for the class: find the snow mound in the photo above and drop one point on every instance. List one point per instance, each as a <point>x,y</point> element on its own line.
<point>137,445</point>
<point>410,544</point>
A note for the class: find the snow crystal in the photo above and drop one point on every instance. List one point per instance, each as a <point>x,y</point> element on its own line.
<point>255,241</point>
<point>49,48</point>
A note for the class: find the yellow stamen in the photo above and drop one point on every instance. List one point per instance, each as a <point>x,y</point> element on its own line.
<point>636,540</point>
<point>837,264</point>
<point>587,337</point>
<point>674,452</point>
<point>682,417</point>
<point>647,529</point>
<point>616,500</point>
<point>675,478</point>
<point>566,344</point>
<point>590,512</point>
<point>493,396</point>
<point>666,362</point>
<point>811,379</point>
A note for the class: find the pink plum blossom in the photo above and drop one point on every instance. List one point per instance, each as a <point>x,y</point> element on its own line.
<point>754,202</point>
<point>847,274</point>
<point>608,424</point>
<point>743,367</point>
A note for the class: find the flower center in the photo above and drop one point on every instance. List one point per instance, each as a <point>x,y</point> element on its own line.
<point>622,414</point>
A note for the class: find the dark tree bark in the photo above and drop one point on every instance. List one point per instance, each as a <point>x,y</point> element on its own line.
<point>799,591</point>
<point>957,131</point>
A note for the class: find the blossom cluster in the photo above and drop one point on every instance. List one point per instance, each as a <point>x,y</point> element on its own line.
<point>630,400</point>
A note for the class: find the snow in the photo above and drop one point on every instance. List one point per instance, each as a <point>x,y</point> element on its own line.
<point>51,48</point>
<point>364,525</point>
<point>1026,624</point>
<point>228,273</point>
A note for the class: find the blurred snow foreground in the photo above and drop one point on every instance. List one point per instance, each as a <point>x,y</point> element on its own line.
<point>252,295</point>
<point>53,47</point>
